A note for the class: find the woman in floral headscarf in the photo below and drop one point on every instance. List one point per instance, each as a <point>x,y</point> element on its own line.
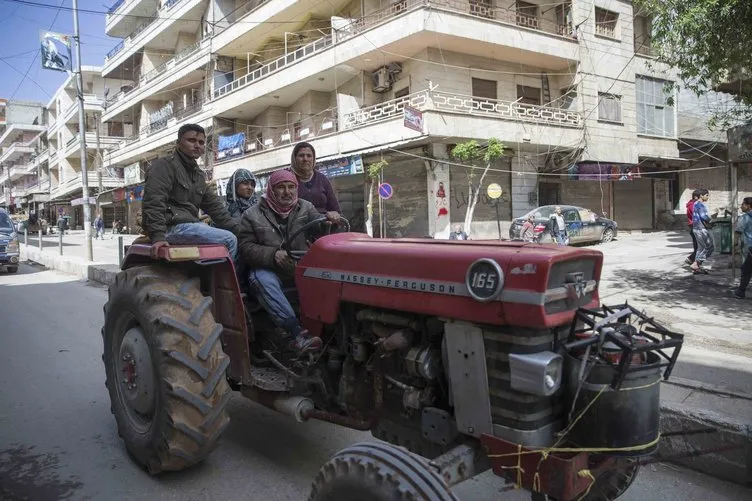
<point>263,231</point>
<point>240,194</point>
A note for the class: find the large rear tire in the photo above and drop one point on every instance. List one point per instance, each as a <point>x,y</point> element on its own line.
<point>378,472</point>
<point>165,368</point>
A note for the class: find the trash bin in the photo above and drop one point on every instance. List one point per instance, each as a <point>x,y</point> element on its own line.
<point>722,235</point>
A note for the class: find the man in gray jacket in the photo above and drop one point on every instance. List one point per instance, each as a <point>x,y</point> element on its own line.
<point>263,229</point>
<point>175,190</point>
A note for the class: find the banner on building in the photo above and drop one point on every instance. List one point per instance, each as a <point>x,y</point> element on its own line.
<point>80,201</point>
<point>228,146</point>
<point>740,143</point>
<point>347,166</point>
<point>132,173</point>
<point>118,195</point>
<point>56,51</point>
<point>599,171</point>
<point>413,119</point>
<point>135,194</point>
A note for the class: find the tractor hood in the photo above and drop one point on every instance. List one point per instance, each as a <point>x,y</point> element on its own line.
<point>492,282</point>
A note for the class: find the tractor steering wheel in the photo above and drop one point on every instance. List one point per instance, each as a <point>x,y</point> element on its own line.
<point>297,255</point>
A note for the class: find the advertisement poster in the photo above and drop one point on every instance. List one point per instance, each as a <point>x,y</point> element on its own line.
<point>135,194</point>
<point>56,51</point>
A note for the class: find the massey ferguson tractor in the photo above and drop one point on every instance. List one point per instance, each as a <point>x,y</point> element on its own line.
<point>466,355</point>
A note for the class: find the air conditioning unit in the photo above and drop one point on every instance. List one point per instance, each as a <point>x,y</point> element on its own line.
<point>382,80</point>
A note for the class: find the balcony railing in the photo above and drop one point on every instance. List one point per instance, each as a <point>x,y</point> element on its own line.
<point>371,20</point>
<point>141,27</point>
<point>162,68</point>
<point>643,48</point>
<point>394,108</point>
<point>114,7</point>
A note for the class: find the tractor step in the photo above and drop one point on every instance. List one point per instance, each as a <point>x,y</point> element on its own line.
<point>269,379</point>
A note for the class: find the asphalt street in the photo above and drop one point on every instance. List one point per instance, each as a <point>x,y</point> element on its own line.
<point>58,439</point>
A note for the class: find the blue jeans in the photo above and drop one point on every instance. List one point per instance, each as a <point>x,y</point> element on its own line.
<point>267,287</point>
<point>560,237</point>
<point>200,233</point>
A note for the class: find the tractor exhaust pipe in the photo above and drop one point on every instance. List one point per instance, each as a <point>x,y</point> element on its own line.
<point>293,406</point>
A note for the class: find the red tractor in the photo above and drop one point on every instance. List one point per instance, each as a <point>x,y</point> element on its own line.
<point>470,354</point>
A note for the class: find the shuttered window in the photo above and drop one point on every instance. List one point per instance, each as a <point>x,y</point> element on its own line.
<point>485,89</point>
<point>609,107</point>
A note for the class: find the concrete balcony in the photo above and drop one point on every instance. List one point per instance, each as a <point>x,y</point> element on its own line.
<point>70,115</point>
<point>157,135</point>
<point>124,16</point>
<point>236,32</point>
<point>18,171</point>
<point>15,151</point>
<point>74,185</point>
<point>176,72</point>
<point>403,28</point>
<point>158,32</point>
<point>4,177</point>
<point>14,132</point>
<point>444,114</point>
<point>73,147</point>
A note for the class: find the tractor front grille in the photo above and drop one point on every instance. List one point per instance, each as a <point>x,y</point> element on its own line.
<point>510,408</point>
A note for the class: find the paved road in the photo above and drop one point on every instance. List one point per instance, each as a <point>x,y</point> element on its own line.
<point>58,439</point>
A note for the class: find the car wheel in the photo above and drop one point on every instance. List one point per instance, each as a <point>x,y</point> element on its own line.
<point>608,235</point>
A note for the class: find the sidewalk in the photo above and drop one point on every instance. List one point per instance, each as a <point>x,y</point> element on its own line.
<point>711,386</point>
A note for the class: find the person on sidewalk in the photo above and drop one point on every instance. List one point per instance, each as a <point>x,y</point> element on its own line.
<point>690,212</point>
<point>458,233</point>
<point>701,225</point>
<point>99,226</point>
<point>559,227</point>
<point>175,190</point>
<point>263,229</point>
<point>744,226</point>
<point>240,194</point>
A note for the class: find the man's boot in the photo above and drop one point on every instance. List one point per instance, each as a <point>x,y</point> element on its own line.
<point>304,342</point>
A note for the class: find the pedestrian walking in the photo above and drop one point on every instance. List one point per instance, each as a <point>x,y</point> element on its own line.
<point>559,227</point>
<point>701,225</point>
<point>744,226</point>
<point>690,213</point>
<point>99,226</point>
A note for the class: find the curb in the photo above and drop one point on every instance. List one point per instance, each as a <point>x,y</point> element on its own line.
<point>103,273</point>
<point>730,445</point>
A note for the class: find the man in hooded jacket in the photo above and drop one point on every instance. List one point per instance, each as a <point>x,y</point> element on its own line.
<point>241,194</point>
<point>263,229</point>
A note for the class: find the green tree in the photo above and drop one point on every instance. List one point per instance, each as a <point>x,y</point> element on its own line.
<point>469,153</point>
<point>374,172</point>
<point>707,41</point>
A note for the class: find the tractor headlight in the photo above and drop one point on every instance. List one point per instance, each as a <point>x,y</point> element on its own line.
<point>536,373</point>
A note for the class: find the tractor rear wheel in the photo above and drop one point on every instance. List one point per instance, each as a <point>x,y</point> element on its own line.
<point>165,368</point>
<point>378,472</point>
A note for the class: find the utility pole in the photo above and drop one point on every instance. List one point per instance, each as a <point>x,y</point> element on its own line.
<point>82,132</point>
<point>99,156</point>
<point>734,215</point>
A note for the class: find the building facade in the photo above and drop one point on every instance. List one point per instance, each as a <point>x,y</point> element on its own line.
<point>569,88</point>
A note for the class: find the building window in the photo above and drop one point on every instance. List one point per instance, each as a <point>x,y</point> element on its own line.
<point>605,22</point>
<point>564,19</point>
<point>643,28</point>
<point>404,91</point>
<point>609,107</point>
<point>655,116</point>
<point>568,96</point>
<point>485,89</point>
<point>528,95</point>
<point>482,8</point>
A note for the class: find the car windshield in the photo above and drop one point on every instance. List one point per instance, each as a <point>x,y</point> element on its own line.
<point>6,225</point>
<point>541,212</point>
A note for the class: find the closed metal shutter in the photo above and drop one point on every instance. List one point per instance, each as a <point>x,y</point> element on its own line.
<point>633,204</point>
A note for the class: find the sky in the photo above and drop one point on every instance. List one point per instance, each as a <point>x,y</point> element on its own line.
<point>20,25</point>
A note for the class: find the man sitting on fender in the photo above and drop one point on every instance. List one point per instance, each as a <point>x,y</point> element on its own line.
<point>263,229</point>
<point>175,190</point>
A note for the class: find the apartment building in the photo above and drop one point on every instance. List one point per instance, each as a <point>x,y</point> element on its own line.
<point>42,150</point>
<point>568,87</point>
<point>22,126</point>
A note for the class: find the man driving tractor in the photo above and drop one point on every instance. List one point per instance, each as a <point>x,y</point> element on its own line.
<point>263,229</point>
<point>174,191</point>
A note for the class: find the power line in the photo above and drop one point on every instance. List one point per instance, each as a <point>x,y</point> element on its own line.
<point>33,61</point>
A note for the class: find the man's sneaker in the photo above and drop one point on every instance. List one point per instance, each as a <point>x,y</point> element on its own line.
<point>304,342</point>
<point>739,295</point>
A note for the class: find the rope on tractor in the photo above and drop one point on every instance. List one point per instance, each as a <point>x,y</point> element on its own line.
<point>584,473</point>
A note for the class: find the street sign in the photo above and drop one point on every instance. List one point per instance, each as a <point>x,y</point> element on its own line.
<point>494,191</point>
<point>413,119</point>
<point>386,191</point>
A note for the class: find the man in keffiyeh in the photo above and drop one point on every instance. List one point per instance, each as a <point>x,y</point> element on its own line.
<point>263,229</point>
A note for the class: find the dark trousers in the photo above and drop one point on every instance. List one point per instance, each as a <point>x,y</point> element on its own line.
<point>746,272</point>
<point>691,257</point>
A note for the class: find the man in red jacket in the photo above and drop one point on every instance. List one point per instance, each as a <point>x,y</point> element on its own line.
<point>690,214</point>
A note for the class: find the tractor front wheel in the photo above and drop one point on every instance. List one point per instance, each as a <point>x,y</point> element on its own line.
<point>165,368</point>
<point>378,472</point>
